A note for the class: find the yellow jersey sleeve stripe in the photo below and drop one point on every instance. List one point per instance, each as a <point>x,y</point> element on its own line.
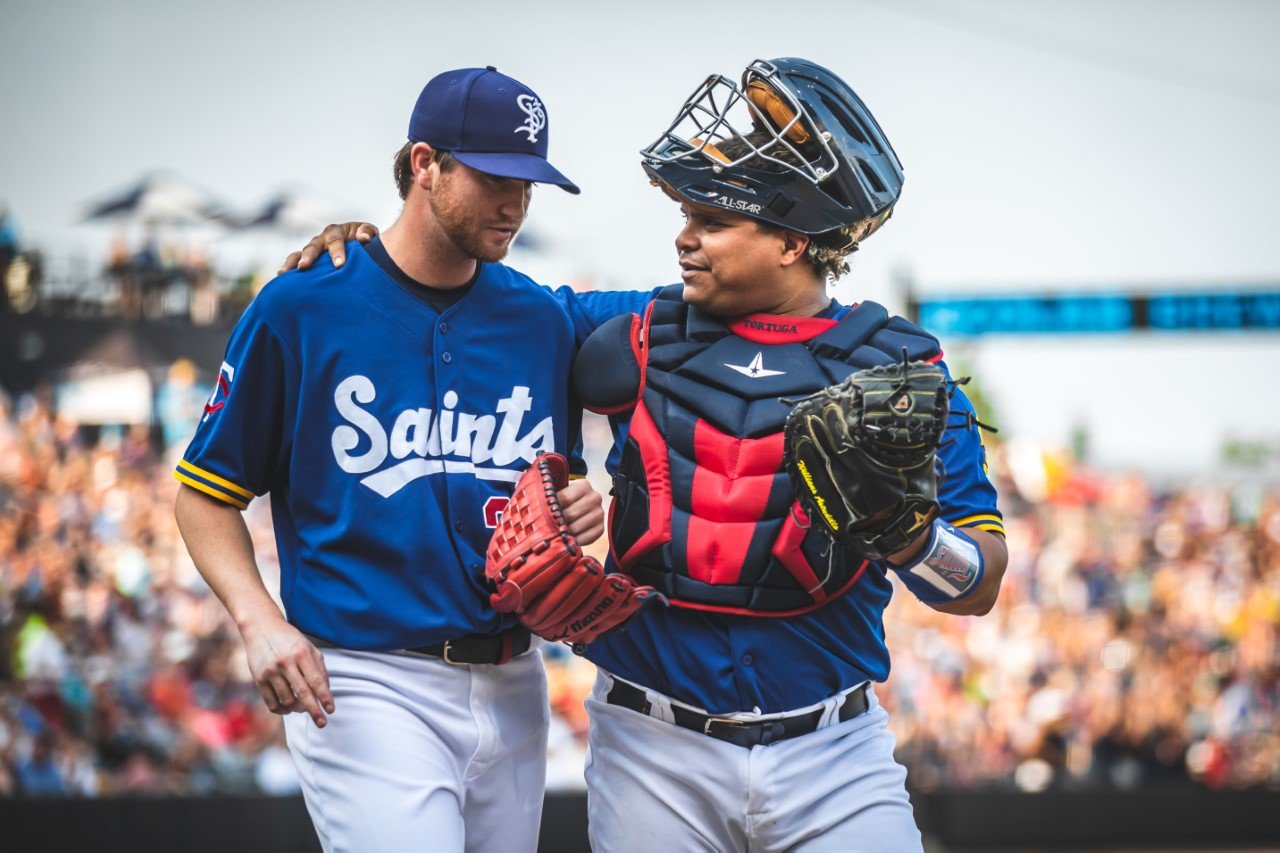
<point>210,487</point>
<point>209,490</point>
<point>972,519</point>
<point>214,478</point>
<point>991,528</point>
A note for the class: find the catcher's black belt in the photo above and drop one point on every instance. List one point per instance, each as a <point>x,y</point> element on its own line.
<point>737,732</point>
<point>471,649</point>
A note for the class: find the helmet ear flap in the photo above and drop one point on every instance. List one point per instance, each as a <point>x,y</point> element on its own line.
<point>771,105</point>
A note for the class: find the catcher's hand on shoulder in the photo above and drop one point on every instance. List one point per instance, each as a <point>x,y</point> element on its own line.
<point>540,572</point>
<point>333,240</point>
<point>861,455</point>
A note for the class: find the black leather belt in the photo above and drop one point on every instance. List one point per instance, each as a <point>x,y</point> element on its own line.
<point>474,649</point>
<point>471,649</point>
<point>735,732</point>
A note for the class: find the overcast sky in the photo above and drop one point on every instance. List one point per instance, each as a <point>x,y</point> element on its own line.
<point>1082,144</point>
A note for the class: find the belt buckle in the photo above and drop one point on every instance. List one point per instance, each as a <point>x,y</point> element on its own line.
<point>724,721</point>
<point>769,731</point>
<point>444,655</point>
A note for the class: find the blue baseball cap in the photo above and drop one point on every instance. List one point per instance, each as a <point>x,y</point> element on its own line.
<point>488,121</point>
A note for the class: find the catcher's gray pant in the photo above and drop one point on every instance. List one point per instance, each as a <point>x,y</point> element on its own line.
<point>421,755</point>
<point>655,786</point>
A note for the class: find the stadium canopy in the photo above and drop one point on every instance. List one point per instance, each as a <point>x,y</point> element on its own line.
<point>157,198</point>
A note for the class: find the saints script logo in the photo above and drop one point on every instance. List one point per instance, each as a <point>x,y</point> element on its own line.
<point>423,441</point>
<point>537,117</point>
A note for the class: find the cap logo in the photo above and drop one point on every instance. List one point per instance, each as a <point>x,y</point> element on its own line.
<point>537,118</point>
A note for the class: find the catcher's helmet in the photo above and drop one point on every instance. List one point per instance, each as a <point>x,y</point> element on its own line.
<point>806,154</point>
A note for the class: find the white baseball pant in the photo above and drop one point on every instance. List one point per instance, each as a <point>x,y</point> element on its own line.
<point>654,786</point>
<point>422,755</point>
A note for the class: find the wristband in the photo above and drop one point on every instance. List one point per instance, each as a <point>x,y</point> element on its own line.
<point>950,566</point>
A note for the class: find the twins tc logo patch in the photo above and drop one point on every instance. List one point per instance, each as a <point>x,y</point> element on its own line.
<point>221,391</point>
<point>537,117</point>
<point>952,566</point>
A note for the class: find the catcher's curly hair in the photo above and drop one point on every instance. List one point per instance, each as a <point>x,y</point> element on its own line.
<point>828,252</point>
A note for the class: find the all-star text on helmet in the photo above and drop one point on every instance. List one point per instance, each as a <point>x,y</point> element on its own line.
<point>793,146</point>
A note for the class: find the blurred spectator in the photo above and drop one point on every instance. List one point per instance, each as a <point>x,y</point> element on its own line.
<point>179,403</point>
<point>141,278</point>
<point>8,232</point>
<point>1135,642</point>
<point>39,774</point>
<point>274,771</point>
<point>197,270</point>
<point>8,251</point>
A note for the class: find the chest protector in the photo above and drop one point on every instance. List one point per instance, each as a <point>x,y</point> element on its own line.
<point>703,509</point>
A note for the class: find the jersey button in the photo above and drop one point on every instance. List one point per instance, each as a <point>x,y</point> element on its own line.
<point>746,660</point>
<point>447,358</point>
<point>444,328</point>
<point>457,525</point>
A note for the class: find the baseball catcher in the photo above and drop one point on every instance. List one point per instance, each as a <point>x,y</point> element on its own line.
<point>861,455</point>
<point>541,574</point>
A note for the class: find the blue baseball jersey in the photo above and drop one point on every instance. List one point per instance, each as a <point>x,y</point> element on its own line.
<point>726,663</point>
<point>389,437</point>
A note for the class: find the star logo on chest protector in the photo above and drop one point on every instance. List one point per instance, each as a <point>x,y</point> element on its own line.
<point>756,369</point>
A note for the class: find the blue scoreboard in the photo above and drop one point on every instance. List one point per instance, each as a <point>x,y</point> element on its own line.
<point>1217,310</point>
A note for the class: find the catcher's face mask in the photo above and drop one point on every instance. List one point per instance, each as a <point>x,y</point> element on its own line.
<point>719,110</point>
<point>791,145</point>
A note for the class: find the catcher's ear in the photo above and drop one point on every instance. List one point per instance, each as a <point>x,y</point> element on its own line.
<point>794,246</point>
<point>608,368</point>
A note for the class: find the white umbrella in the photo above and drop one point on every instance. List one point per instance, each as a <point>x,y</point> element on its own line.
<point>296,213</point>
<point>156,198</point>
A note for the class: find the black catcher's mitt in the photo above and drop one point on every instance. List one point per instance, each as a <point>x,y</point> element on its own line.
<point>861,455</point>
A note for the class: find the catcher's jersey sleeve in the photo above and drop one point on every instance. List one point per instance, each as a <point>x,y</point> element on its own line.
<point>590,310</point>
<point>965,495</point>
<point>237,452</point>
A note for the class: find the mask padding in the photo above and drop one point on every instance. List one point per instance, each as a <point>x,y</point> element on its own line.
<point>779,112</point>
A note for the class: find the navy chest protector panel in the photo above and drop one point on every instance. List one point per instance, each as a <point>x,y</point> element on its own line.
<point>702,508</point>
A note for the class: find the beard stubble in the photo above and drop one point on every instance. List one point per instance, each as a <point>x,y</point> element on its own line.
<point>465,228</point>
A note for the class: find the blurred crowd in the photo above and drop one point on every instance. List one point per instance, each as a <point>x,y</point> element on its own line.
<point>119,672</point>
<point>1135,642</point>
<point>155,279</point>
